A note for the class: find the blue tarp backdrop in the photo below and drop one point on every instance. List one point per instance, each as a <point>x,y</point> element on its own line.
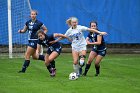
<point>119,18</point>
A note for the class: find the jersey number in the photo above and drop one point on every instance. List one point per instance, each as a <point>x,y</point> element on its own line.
<point>77,38</point>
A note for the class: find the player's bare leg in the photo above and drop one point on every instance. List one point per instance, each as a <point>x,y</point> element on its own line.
<point>30,51</point>
<point>48,59</point>
<point>75,56</point>
<point>92,55</point>
<point>97,64</point>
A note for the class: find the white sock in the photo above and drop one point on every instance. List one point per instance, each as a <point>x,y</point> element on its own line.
<point>82,62</point>
<point>76,68</point>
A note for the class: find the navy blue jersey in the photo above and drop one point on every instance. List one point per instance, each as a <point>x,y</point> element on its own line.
<point>46,41</point>
<point>32,28</point>
<point>93,38</point>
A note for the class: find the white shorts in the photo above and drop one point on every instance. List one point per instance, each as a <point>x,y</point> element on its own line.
<point>79,48</point>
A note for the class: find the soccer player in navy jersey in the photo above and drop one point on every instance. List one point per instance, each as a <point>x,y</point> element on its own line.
<point>32,26</point>
<point>98,50</point>
<point>54,49</point>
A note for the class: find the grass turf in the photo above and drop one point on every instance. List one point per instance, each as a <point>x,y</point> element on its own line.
<point>119,74</point>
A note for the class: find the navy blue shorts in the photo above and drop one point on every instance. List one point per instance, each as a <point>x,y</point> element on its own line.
<point>33,43</point>
<point>101,52</point>
<point>56,49</point>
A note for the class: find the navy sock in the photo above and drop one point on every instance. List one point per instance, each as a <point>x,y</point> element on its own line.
<point>25,65</point>
<point>87,68</point>
<point>41,57</point>
<point>52,64</point>
<point>49,68</point>
<point>97,67</point>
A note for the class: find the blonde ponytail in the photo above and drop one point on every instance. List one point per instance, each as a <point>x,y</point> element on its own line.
<point>68,21</point>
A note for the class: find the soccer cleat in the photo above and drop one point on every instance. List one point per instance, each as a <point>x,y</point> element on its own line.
<point>21,71</point>
<point>96,74</point>
<point>84,74</point>
<point>78,75</point>
<point>53,72</point>
<point>97,70</point>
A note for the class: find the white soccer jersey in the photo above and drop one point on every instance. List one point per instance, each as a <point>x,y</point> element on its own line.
<point>77,36</point>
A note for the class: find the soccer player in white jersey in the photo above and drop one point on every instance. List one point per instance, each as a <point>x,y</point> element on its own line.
<point>75,33</point>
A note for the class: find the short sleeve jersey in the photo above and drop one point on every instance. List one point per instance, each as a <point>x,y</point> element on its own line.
<point>77,35</point>
<point>46,41</point>
<point>32,28</point>
<point>93,38</point>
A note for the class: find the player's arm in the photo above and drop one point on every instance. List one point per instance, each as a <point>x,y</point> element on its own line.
<point>38,49</point>
<point>59,35</point>
<point>96,31</point>
<point>62,36</point>
<point>88,41</point>
<point>44,28</point>
<point>23,30</point>
<point>99,41</point>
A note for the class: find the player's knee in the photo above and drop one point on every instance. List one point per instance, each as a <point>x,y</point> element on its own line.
<point>27,57</point>
<point>50,59</point>
<point>96,63</point>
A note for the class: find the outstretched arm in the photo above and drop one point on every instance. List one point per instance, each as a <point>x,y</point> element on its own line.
<point>44,29</point>
<point>99,41</point>
<point>62,36</point>
<point>59,35</point>
<point>23,30</point>
<point>96,31</point>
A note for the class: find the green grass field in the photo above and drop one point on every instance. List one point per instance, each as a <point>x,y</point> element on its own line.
<point>119,74</point>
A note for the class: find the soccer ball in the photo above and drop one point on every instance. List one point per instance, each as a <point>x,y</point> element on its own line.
<point>73,76</point>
